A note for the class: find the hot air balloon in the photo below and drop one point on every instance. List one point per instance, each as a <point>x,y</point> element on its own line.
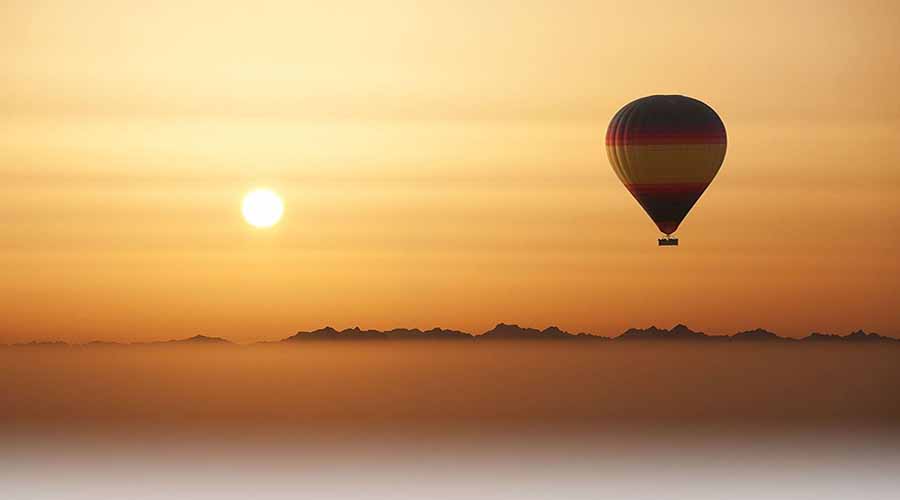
<point>666,149</point>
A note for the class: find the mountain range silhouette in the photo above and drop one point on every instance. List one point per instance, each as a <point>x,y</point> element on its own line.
<point>678,332</point>
<point>758,335</point>
<point>329,333</point>
<point>506,332</point>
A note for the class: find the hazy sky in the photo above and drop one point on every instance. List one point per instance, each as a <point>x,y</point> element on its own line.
<point>441,163</point>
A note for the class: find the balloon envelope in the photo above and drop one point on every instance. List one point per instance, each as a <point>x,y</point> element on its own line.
<point>666,149</point>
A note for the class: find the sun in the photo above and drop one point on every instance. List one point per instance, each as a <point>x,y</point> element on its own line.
<point>262,208</point>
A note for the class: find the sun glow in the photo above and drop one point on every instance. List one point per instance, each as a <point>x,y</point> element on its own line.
<point>262,208</point>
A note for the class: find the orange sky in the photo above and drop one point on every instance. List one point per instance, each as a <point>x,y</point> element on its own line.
<point>441,163</point>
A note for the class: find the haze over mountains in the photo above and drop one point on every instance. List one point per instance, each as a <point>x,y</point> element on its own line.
<point>510,332</point>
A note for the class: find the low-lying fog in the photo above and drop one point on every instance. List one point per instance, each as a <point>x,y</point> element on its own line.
<point>446,419</point>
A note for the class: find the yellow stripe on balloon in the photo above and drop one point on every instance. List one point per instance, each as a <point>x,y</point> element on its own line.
<point>666,163</point>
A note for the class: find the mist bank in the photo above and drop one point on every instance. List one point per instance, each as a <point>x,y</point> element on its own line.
<point>414,389</point>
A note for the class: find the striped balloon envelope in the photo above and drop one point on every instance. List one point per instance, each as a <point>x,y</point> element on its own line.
<point>666,149</point>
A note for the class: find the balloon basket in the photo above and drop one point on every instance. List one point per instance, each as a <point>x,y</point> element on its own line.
<point>668,242</point>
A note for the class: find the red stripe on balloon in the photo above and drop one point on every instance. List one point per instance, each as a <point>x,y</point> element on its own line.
<point>639,139</point>
<point>672,188</point>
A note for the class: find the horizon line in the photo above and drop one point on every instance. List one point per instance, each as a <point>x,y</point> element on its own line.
<point>501,331</point>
